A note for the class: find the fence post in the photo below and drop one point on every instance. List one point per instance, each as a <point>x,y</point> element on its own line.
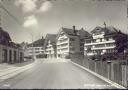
<point>95,66</point>
<point>127,73</point>
<point>109,67</point>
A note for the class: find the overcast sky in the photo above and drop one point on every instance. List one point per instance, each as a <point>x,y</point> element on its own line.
<point>39,17</point>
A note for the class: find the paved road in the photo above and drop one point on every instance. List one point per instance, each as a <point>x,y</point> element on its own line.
<point>54,74</point>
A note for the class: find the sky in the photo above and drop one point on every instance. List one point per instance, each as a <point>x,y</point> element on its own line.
<point>36,18</point>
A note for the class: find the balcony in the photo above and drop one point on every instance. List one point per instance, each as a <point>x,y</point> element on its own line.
<point>99,48</point>
<point>95,43</point>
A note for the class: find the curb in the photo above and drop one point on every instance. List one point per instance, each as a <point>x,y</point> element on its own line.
<point>101,77</point>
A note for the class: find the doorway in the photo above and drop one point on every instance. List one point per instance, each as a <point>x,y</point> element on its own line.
<point>4,55</point>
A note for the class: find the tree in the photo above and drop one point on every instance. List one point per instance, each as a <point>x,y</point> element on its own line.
<point>121,42</point>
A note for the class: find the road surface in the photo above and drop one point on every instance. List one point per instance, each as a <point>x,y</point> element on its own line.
<point>54,74</point>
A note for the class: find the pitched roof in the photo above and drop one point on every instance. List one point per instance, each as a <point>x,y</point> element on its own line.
<point>84,34</point>
<point>69,31</point>
<point>4,37</point>
<point>106,30</point>
<point>51,37</point>
<point>37,43</point>
<point>81,32</point>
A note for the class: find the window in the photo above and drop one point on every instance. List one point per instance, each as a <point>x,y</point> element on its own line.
<point>37,52</point>
<point>72,39</point>
<point>37,48</point>
<point>81,44</point>
<point>63,45</point>
<point>81,49</point>
<point>100,39</point>
<point>82,40</point>
<point>110,44</point>
<point>107,39</point>
<point>100,45</point>
<point>88,41</point>
<point>72,49</point>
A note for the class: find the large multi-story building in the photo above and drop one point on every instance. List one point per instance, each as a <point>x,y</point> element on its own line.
<point>50,45</point>
<point>10,52</point>
<point>70,42</point>
<point>36,49</point>
<point>102,41</point>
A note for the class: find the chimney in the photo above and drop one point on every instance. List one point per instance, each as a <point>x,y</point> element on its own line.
<point>73,27</point>
<point>74,30</point>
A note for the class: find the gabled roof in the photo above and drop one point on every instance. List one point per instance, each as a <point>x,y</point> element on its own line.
<point>84,34</point>
<point>51,37</point>
<point>106,30</point>
<point>69,31</point>
<point>78,33</point>
<point>37,43</point>
<point>4,37</point>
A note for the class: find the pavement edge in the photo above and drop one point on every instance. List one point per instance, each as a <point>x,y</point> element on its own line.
<point>101,77</point>
<point>16,71</point>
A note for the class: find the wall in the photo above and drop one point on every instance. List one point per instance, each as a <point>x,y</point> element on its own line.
<point>10,58</point>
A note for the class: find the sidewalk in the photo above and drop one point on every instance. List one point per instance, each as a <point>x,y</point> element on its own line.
<point>5,66</point>
<point>10,70</point>
<point>101,77</point>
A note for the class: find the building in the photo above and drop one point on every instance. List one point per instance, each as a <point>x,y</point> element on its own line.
<point>50,45</point>
<point>104,40</point>
<point>70,42</point>
<point>10,52</point>
<point>36,49</point>
<point>24,47</point>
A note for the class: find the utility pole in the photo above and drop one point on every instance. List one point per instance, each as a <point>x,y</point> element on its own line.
<point>32,46</point>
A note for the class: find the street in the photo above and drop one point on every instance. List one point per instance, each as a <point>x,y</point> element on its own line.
<point>54,74</point>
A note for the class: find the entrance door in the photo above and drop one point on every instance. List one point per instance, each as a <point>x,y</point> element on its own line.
<point>4,55</point>
<point>21,56</point>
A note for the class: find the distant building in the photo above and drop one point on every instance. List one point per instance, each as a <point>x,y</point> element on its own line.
<point>70,42</point>
<point>104,41</point>
<point>50,45</point>
<point>24,47</point>
<point>36,48</point>
<point>10,52</point>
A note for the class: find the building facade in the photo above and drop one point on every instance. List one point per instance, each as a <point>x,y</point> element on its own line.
<point>36,49</point>
<point>102,41</point>
<point>70,42</point>
<point>10,52</point>
<point>50,45</point>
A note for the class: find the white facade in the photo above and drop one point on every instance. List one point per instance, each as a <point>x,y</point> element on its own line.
<point>67,44</point>
<point>35,51</point>
<point>99,45</point>
<point>50,50</point>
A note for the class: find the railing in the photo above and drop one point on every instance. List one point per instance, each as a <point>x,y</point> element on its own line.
<point>95,43</point>
<point>106,47</point>
<point>115,70</point>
